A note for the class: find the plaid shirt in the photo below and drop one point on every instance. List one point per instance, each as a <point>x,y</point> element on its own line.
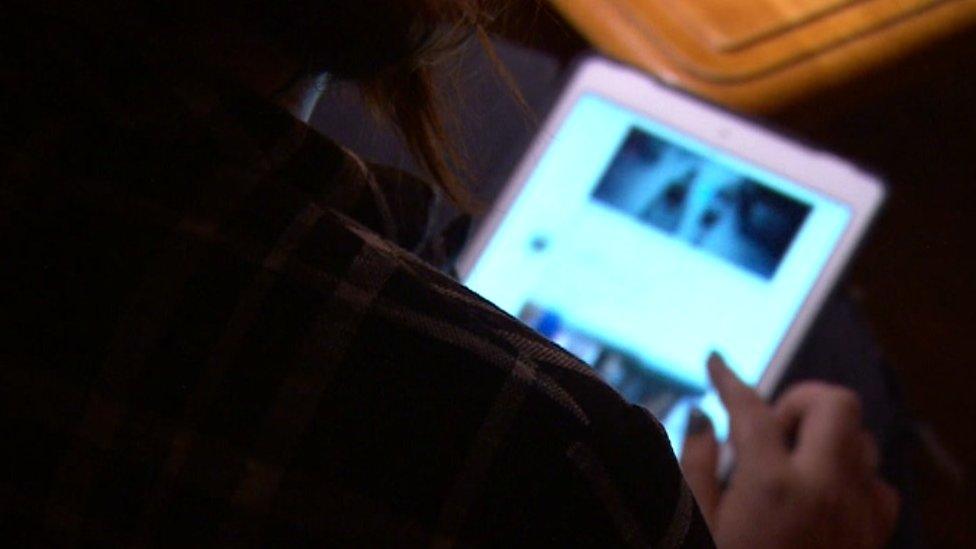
<point>214,332</point>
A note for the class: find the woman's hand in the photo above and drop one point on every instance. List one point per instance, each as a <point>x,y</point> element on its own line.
<point>823,490</point>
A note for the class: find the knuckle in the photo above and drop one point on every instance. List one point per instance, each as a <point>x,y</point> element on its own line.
<point>847,402</point>
<point>808,389</point>
<point>814,386</point>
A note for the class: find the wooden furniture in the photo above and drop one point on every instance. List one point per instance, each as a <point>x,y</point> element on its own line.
<point>761,55</point>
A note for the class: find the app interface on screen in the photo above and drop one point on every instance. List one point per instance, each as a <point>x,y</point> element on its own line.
<point>641,250</point>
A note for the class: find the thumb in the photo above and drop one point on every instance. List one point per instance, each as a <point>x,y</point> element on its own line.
<point>699,462</point>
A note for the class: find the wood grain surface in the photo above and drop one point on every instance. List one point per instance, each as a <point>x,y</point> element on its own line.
<point>762,55</point>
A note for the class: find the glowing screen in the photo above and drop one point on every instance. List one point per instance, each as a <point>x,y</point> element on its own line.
<point>641,250</point>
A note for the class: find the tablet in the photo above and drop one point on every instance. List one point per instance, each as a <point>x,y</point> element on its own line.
<point>645,229</point>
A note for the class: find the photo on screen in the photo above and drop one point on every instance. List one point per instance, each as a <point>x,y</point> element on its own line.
<point>701,203</point>
<point>645,384</point>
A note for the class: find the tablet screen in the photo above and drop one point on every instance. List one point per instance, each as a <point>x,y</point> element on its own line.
<point>640,250</point>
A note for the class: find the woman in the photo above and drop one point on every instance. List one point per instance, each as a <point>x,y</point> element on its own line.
<point>218,334</point>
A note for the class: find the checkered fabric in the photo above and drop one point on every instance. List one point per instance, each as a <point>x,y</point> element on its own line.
<point>217,329</point>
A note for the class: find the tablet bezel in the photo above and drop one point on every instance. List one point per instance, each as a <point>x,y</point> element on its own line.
<point>814,169</point>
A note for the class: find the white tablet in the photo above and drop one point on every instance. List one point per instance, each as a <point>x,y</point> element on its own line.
<point>645,229</point>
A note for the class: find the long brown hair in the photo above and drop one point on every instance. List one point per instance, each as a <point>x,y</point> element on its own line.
<point>391,49</point>
<point>404,92</point>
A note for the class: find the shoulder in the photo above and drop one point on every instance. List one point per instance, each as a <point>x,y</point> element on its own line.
<point>518,428</point>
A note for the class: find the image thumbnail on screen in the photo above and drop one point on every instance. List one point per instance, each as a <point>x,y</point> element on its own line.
<point>701,203</point>
<point>638,381</point>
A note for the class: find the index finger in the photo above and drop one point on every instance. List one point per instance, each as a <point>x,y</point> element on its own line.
<point>753,427</point>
